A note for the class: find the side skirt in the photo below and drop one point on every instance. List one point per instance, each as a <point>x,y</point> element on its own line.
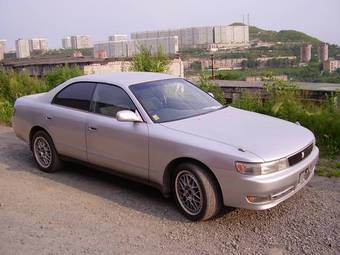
<point>117,173</point>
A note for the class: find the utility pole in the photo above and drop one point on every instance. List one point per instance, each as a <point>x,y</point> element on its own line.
<point>212,67</point>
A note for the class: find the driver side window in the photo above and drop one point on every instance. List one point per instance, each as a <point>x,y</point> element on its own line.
<point>109,99</point>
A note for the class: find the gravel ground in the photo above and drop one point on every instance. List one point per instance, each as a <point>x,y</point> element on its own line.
<point>82,211</point>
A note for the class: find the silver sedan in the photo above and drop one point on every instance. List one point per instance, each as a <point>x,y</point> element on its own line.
<point>166,132</point>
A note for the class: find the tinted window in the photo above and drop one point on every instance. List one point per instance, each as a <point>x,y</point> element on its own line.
<point>77,95</point>
<point>109,99</point>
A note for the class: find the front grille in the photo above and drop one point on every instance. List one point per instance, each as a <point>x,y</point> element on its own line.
<point>296,158</point>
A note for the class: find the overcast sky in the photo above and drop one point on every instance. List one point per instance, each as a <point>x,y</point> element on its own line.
<point>101,18</point>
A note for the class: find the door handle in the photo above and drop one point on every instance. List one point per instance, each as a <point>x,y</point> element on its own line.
<point>92,129</point>
<point>48,117</point>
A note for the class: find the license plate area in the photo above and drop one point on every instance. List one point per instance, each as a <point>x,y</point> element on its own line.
<point>304,175</point>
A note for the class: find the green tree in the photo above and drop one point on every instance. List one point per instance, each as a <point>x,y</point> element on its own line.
<point>144,61</point>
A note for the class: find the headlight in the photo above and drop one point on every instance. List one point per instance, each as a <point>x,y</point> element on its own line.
<point>261,168</point>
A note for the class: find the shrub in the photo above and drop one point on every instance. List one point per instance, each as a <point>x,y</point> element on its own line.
<point>144,61</point>
<point>14,85</point>
<point>17,84</point>
<point>228,75</point>
<point>6,110</point>
<point>210,87</point>
<point>250,102</point>
<point>322,119</point>
<point>61,74</point>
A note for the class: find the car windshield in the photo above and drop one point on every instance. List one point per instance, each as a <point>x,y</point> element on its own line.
<point>173,99</point>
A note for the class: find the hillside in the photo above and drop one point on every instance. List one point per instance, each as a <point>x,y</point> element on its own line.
<point>281,36</point>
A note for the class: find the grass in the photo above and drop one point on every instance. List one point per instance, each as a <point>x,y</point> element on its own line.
<point>329,167</point>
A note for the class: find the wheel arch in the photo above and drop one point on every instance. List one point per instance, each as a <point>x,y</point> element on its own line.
<point>33,130</point>
<point>167,176</point>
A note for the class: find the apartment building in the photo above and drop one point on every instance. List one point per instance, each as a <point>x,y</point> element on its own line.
<point>66,42</point>
<point>38,44</point>
<point>22,48</point>
<point>118,38</point>
<point>2,49</point>
<point>129,48</point>
<point>81,42</point>
<point>202,37</point>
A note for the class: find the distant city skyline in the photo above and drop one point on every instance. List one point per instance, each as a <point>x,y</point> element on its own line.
<point>56,20</point>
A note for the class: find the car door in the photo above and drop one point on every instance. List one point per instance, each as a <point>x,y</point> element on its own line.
<point>121,146</point>
<point>67,119</point>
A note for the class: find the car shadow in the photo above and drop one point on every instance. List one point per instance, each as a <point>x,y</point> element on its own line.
<point>16,156</point>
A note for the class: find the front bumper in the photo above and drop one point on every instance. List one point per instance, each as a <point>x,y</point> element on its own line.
<point>275,187</point>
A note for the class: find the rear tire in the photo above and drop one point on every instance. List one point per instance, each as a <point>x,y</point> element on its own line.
<point>196,192</point>
<point>44,152</point>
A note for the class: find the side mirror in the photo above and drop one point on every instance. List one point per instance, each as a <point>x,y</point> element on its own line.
<point>211,94</point>
<point>128,116</point>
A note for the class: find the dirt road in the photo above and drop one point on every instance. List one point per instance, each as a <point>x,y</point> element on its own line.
<point>82,211</point>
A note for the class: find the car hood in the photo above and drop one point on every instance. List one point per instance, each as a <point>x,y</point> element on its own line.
<point>267,137</point>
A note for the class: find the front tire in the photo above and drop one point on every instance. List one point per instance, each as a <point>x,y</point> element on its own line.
<point>196,192</point>
<point>44,152</point>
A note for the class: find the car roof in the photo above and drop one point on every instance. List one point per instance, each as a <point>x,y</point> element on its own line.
<point>124,79</point>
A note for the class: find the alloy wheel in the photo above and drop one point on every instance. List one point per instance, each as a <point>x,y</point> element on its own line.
<point>188,192</point>
<point>42,152</point>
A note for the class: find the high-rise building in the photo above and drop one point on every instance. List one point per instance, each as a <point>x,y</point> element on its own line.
<point>306,53</point>
<point>2,52</point>
<point>66,42</point>
<point>81,42</point>
<point>3,43</point>
<point>118,38</point>
<point>129,48</point>
<point>323,52</point>
<point>231,34</point>
<point>38,44</point>
<point>43,44</point>
<point>2,49</point>
<point>22,48</point>
<point>75,41</point>
<point>202,37</point>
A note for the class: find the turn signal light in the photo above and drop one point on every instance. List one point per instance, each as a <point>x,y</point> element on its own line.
<point>258,199</point>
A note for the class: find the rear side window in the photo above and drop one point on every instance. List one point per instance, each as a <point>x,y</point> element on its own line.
<point>108,100</point>
<point>77,95</point>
